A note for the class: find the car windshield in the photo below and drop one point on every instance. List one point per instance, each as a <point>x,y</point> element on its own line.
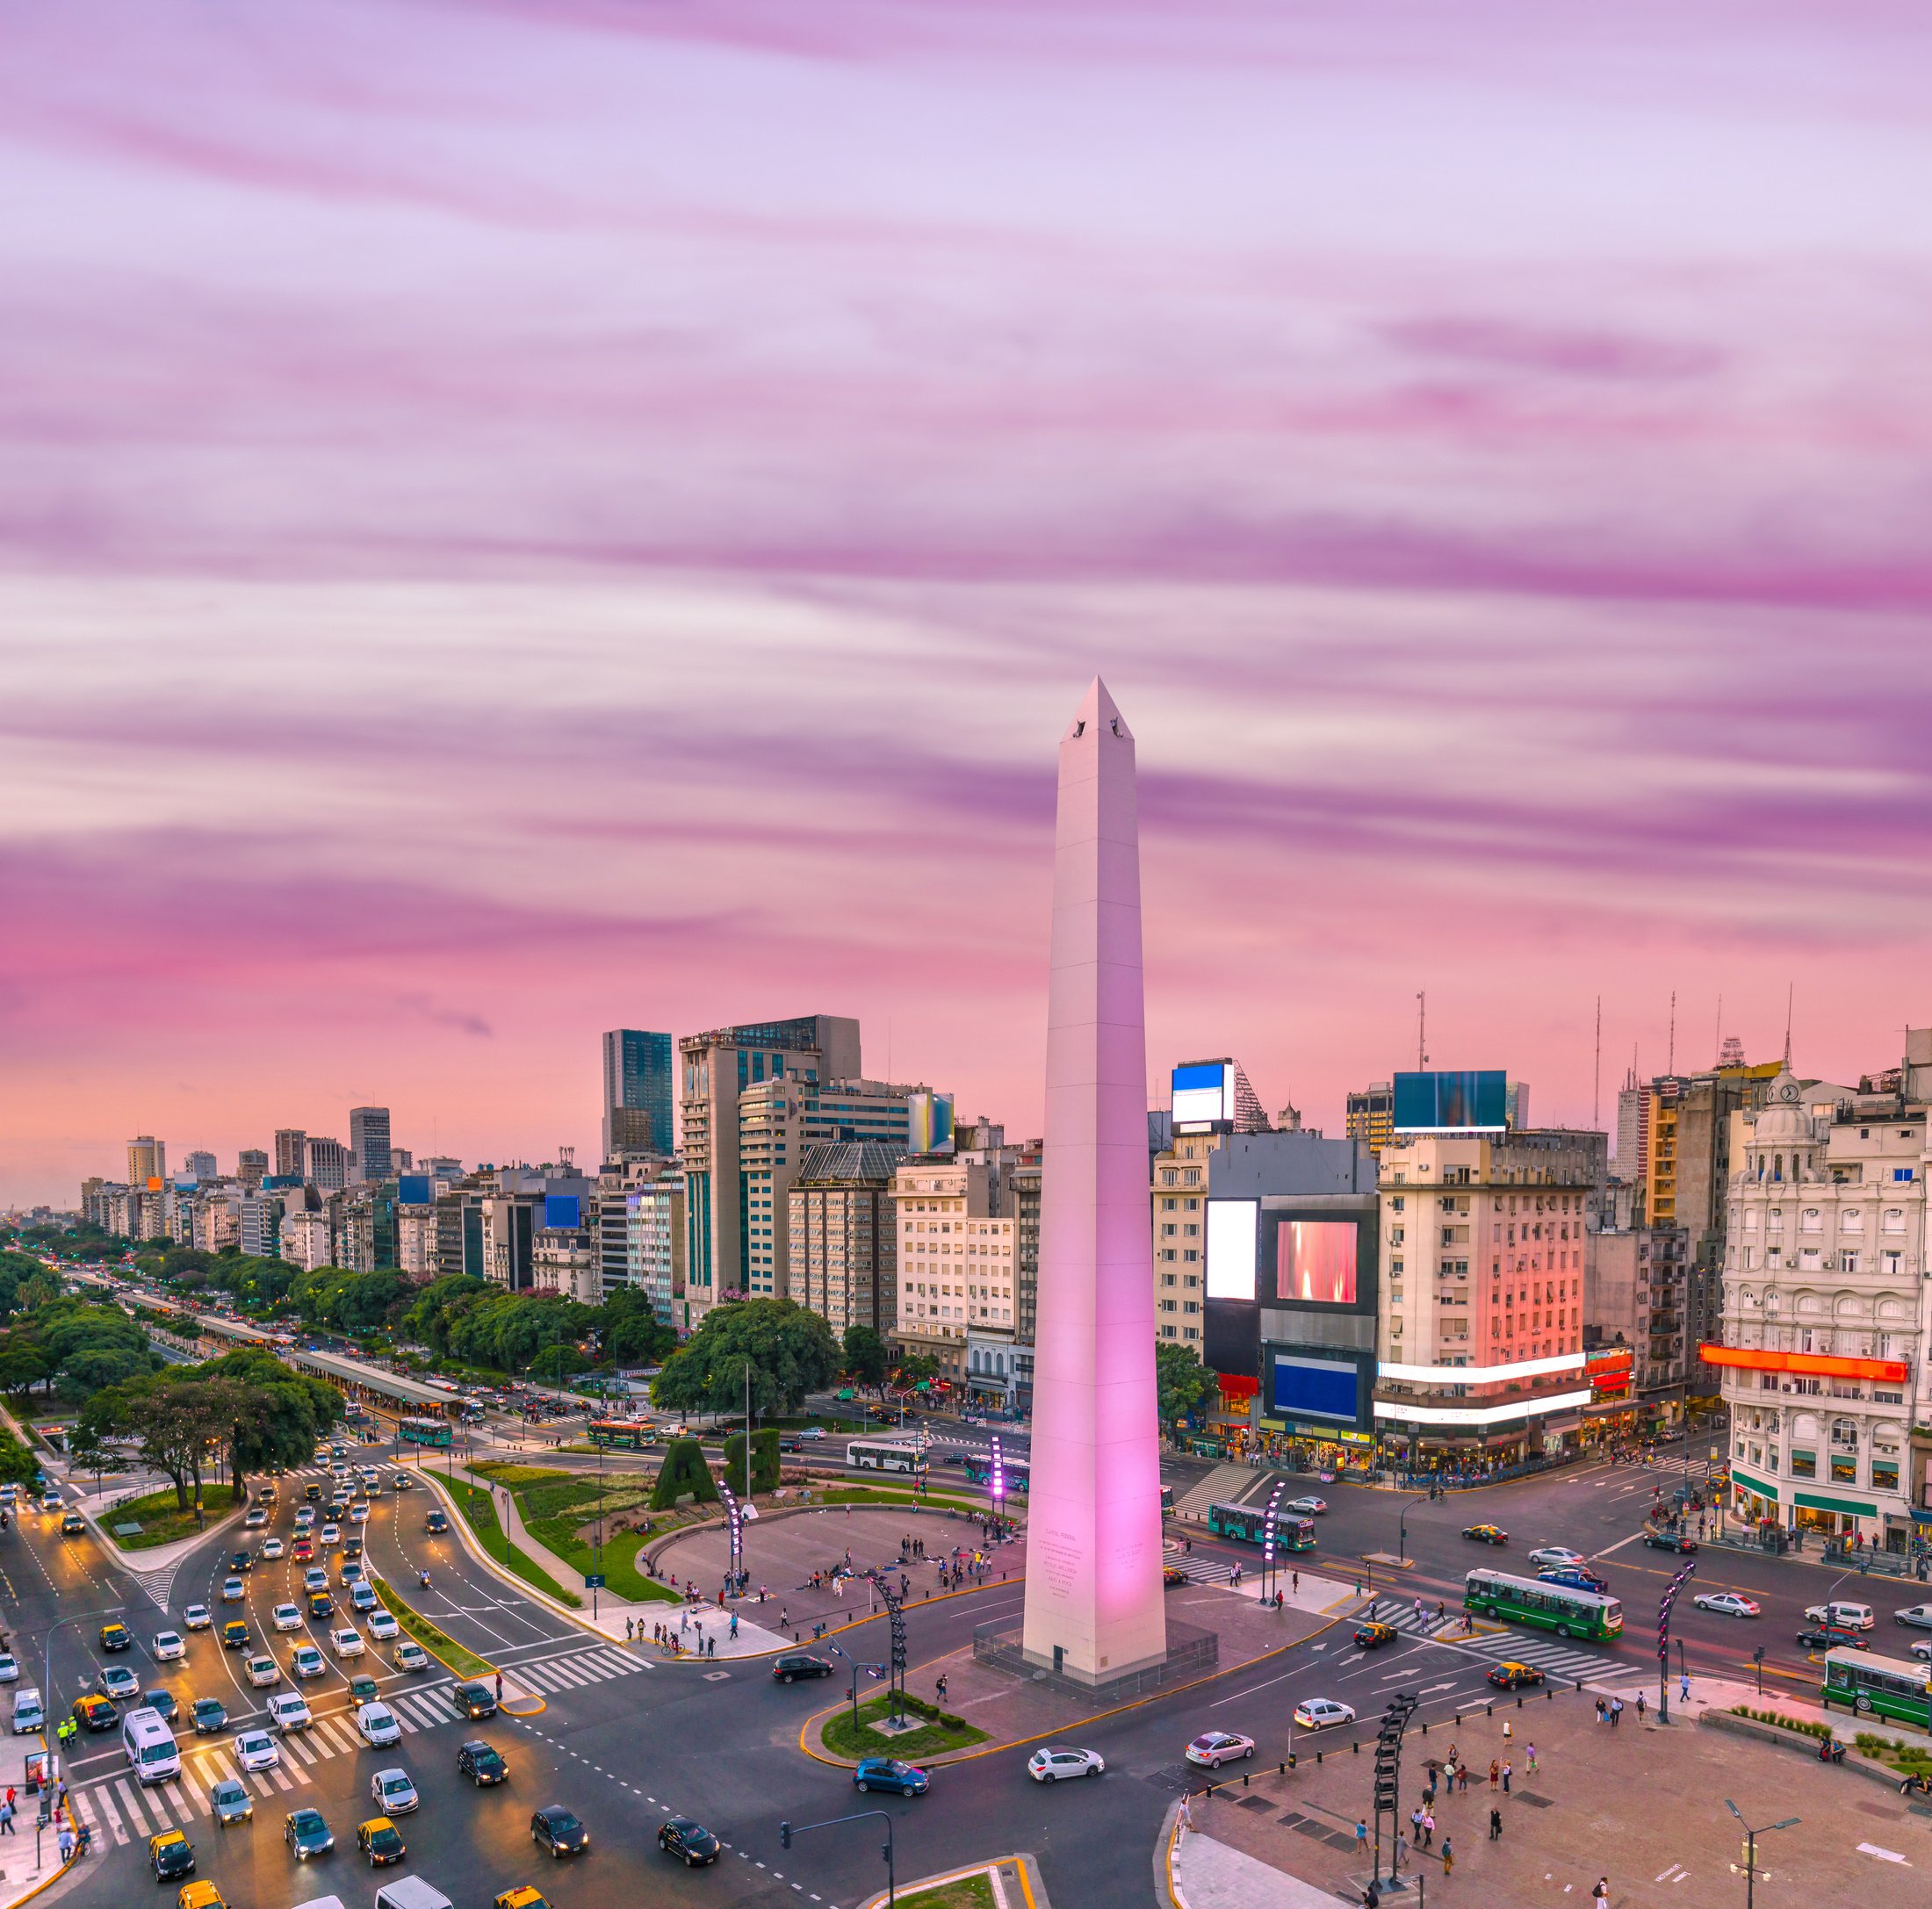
<point>396,1786</point>
<point>306,1822</point>
<point>562,1822</point>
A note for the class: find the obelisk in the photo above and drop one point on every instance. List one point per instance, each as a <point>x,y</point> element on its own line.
<point>1093,1520</point>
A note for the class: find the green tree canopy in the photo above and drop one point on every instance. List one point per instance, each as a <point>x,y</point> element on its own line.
<point>276,1413</point>
<point>632,1333</point>
<point>1183,1382</point>
<point>174,1421</point>
<point>867,1356</point>
<point>788,1351</point>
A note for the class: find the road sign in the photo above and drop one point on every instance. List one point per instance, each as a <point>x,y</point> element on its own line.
<point>593,1581</point>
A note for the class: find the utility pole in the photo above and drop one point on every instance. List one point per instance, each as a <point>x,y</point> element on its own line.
<point>1422,1030</point>
<point>1750,1849</point>
<point>1597,1070</point>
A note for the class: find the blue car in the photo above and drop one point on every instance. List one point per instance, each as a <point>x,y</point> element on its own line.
<point>888,1773</point>
<point>1574,1578</point>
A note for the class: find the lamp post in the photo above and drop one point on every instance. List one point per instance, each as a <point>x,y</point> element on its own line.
<point>1750,1848</point>
<point>997,1480</point>
<point>1401,1526</point>
<point>1267,1536</point>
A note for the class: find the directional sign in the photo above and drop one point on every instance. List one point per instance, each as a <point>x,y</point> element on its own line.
<point>593,1581</point>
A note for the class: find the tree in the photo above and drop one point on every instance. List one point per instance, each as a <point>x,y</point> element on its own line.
<point>17,1463</point>
<point>275,1413</point>
<point>176,1422</point>
<point>631,1331</point>
<point>764,1461</point>
<point>787,1350</point>
<point>1183,1382</point>
<point>684,1469</point>
<point>866,1355</point>
<point>918,1368</point>
<point>22,1366</point>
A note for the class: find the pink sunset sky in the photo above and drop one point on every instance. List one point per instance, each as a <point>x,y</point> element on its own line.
<point>527,517</point>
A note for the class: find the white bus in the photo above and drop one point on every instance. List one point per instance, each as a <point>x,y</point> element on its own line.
<point>152,1753</point>
<point>873,1455</point>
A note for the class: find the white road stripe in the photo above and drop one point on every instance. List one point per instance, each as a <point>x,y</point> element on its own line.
<point>131,1807</point>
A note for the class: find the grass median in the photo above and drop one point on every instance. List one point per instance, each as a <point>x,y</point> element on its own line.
<point>160,1519</point>
<point>940,1733</point>
<point>464,1663</point>
<point>475,1504</point>
<point>963,1892</point>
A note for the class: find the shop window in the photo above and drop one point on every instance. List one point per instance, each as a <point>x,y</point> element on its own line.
<point>1844,1469</point>
<point>1885,1474</point>
<point>1804,1463</point>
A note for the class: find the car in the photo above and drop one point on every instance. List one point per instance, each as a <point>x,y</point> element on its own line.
<point>383,1625</point>
<point>392,1792</point>
<point>332,1534</point>
<point>255,1749</point>
<point>289,1711</point>
<point>1054,1763</point>
<point>235,1636</point>
<point>1322,1713</point>
<point>262,1672</point>
<point>303,1551</point>
<point>200,1895</point>
<point>240,1560</point>
<point>117,1636</point>
<point>10,1668</point>
<point>232,1802</point>
<point>1171,1575</point>
<point>1727,1604</point>
<point>163,1703</point>
<point>480,1762</point>
<point>271,1549</point>
<point>1574,1577</point>
<point>311,1491</point>
<point>169,1646</point>
<point>286,1616</point>
<point>346,1642</point>
<point>305,1661</point>
<point>1307,1508</point>
<point>1671,1541</point>
<point>358,1513</point>
<point>410,1655</point>
<point>554,1828</point>
<point>888,1773</point>
<point>233,1590</point>
<point>256,1519</point>
<point>691,1842</point>
<point>1846,1617</point>
<point>1556,1554</point>
<point>1486,1534</point>
<point>118,1682</point>
<point>351,1573</point>
<point>321,1606</point>
<point>307,1834</point>
<point>437,1521</point>
<point>473,1700</point>
<point>1512,1675</point>
<point>1833,1637</point>
<point>197,1617</point>
<point>211,1715</point>
<point>72,1524</point>
<point>376,1724</point>
<point>402,1482</point>
<point>795,1664</point>
<point>362,1595</point>
<point>94,1712</point>
<point>1371,1636</point>
<point>381,1842</point>
<point>1213,1748</point>
<point>50,1501</point>
<point>812,1431</point>
<point>170,1855</point>
<point>315,1579</point>
<point>362,1689</point>
<point>1922,1648</point>
<point>1919,1616</point>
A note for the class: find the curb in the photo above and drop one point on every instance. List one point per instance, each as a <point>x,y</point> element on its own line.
<point>1033,1887</point>
<point>460,1525</point>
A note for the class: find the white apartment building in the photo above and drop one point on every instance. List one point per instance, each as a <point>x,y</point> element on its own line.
<point>304,1240</point>
<point>564,1261</point>
<point>416,1241</point>
<point>1180,1207</point>
<point>957,1263</point>
<point>1824,1321</point>
<point>655,1238</point>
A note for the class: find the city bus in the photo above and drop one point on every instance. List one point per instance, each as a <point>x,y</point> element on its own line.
<point>1014,1473</point>
<point>1167,1501</point>
<point>1248,1523</point>
<point>622,1434</point>
<point>1899,1688</point>
<point>1554,1607</point>
<point>424,1431</point>
<point>871,1455</point>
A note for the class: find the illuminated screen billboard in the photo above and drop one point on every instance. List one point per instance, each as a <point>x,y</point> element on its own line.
<point>1315,1262</point>
<point>1313,1388</point>
<point>1473,1102</point>
<point>1233,1227</point>
<point>1202,1092</point>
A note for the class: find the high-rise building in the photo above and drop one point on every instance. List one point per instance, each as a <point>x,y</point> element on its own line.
<point>1026,1186</point>
<point>1179,1204</point>
<point>930,1122</point>
<point>147,1160</point>
<point>655,1238</point>
<point>369,1147</point>
<point>843,1235</point>
<point>251,1166</point>
<point>305,1239</point>
<point>199,1165</point>
<point>416,1241</point>
<point>957,1256</point>
<point>261,1224</point>
<point>1371,1115</point>
<point>326,1164</point>
<point>639,1072</point>
<point>291,1153</point>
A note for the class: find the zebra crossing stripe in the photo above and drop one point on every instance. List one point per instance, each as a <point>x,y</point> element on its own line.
<point>83,1801</point>
<point>282,1781</point>
<point>262,1784</point>
<point>172,1790</point>
<point>621,1666</point>
<point>131,1807</point>
<point>293,1745</point>
<point>572,1673</point>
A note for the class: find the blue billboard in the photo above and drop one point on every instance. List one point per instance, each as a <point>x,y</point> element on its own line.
<point>563,1210</point>
<point>415,1189</point>
<point>1314,1388</point>
<point>1470,1102</point>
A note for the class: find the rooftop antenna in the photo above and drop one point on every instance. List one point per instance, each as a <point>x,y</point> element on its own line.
<point>1670,1053</point>
<point>1791,992</point>
<point>1597,1072</point>
<point>1421,1030</point>
<point>1719,1048</point>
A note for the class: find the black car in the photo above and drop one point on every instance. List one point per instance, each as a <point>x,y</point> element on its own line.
<point>473,1700</point>
<point>555,1829</point>
<point>437,1521</point>
<point>1669,1541</point>
<point>479,1762</point>
<point>681,1837</point>
<point>800,1664</point>
<point>1829,1637</point>
<point>241,1560</point>
<point>163,1703</point>
<point>211,1715</point>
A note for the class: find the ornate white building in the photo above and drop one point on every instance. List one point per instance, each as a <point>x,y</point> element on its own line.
<point>1825,1325</point>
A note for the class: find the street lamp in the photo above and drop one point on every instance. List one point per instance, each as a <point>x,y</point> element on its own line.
<point>1401,1526</point>
<point>1750,1848</point>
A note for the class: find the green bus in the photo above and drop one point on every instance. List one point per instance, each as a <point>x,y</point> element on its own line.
<point>1553,1607</point>
<point>1897,1687</point>
<point>1248,1523</point>
<point>622,1434</point>
<point>424,1431</point>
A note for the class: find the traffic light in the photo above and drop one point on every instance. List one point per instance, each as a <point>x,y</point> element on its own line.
<point>784,1834</point>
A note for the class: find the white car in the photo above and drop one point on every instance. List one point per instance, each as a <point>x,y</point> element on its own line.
<point>255,1749</point>
<point>304,1519</point>
<point>169,1646</point>
<point>233,1590</point>
<point>271,1549</point>
<point>255,1520</point>
<point>315,1579</point>
<point>263,1671</point>
<point>1726,1605</point>
<point>392,1792</point>
<point>1307,1508</point>
<point>358,1513</point>
<point>1214,1748</point>
<point>1320,1712</point>
<point>1919,1616</point>
<point>1846,1616</point>
<point>289,1711</point>
<point>288,1617</point>
<point>1049,1765</point>
<point>346,1642</point>
<point>382,1626</point>
<point>196,1618</point>
<point>332,1534</point>
<point>376,1724</point>
<point>9,1669</point>
<point>1922,1648</point>
<point>306,1662</point>
<point>1548,1555</point>
<point>411,1655</point>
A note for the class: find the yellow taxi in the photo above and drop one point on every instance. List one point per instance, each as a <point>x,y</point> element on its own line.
<point>1486,1534</point>
<point>1514,1677</point>
<point>1373,1635</point>
<point>200,1895</point>
<point>235,1637</point>
<point>381,1842</point>
<point>522,1897</point>
<point>95,1713</point>
<point>170,1854</point>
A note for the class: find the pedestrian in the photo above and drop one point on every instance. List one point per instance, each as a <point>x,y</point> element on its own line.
<point>1496,1825</point>
<point>1428,1794</point>
<point>629,1633</point>
<point>1361,1836</point>
<point>1533,1760</point>
<point>1186,1818</point>
<point>1401,1850</point>
<point>1295,1583</point>
<point>1448,1859</point>
<point>1495,1769</point>
<point>1616,1711</point>
<point>1464,1773</point>
<point>1442,1611</point>
<point>1428,1829</point>
<point>1415,1825</point>
<point>67,1845</point>
<point>710,1646</point>
<point>500,1687</point>
<point>1506,1774</point>
<point>1640,1706</point>
<point>734,1626</point>
<point>6,1819</point>
<point>1684,1687</point>
<point>1601,1894</point>
<point>1509,1730</point>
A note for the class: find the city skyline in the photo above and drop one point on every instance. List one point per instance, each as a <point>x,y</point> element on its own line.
<point>638,591</point>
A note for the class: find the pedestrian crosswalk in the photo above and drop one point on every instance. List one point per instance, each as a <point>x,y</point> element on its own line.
<point>1202,1570</point>
<point>121,1809</point>
<point>1553,1658</point>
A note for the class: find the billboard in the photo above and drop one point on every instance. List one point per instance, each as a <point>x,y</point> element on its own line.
<point>1233,1229</point>
<point>929,1122</point>
<point>1470,1102</point>
<point>1306,1387</point>
<point>415,1189</point>
<point>1315,1262</point>
<point>1203,1092</point>
<point>563,1210</point>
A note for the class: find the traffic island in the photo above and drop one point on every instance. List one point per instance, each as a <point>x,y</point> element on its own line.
<point>1007,1883</point>
<point>929,1731</point>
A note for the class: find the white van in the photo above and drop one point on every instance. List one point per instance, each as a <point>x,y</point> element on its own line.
<point>411,1892</point>
<point>152,1753</point>
<point>1841,1617</point>
<point>28,1715</point>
